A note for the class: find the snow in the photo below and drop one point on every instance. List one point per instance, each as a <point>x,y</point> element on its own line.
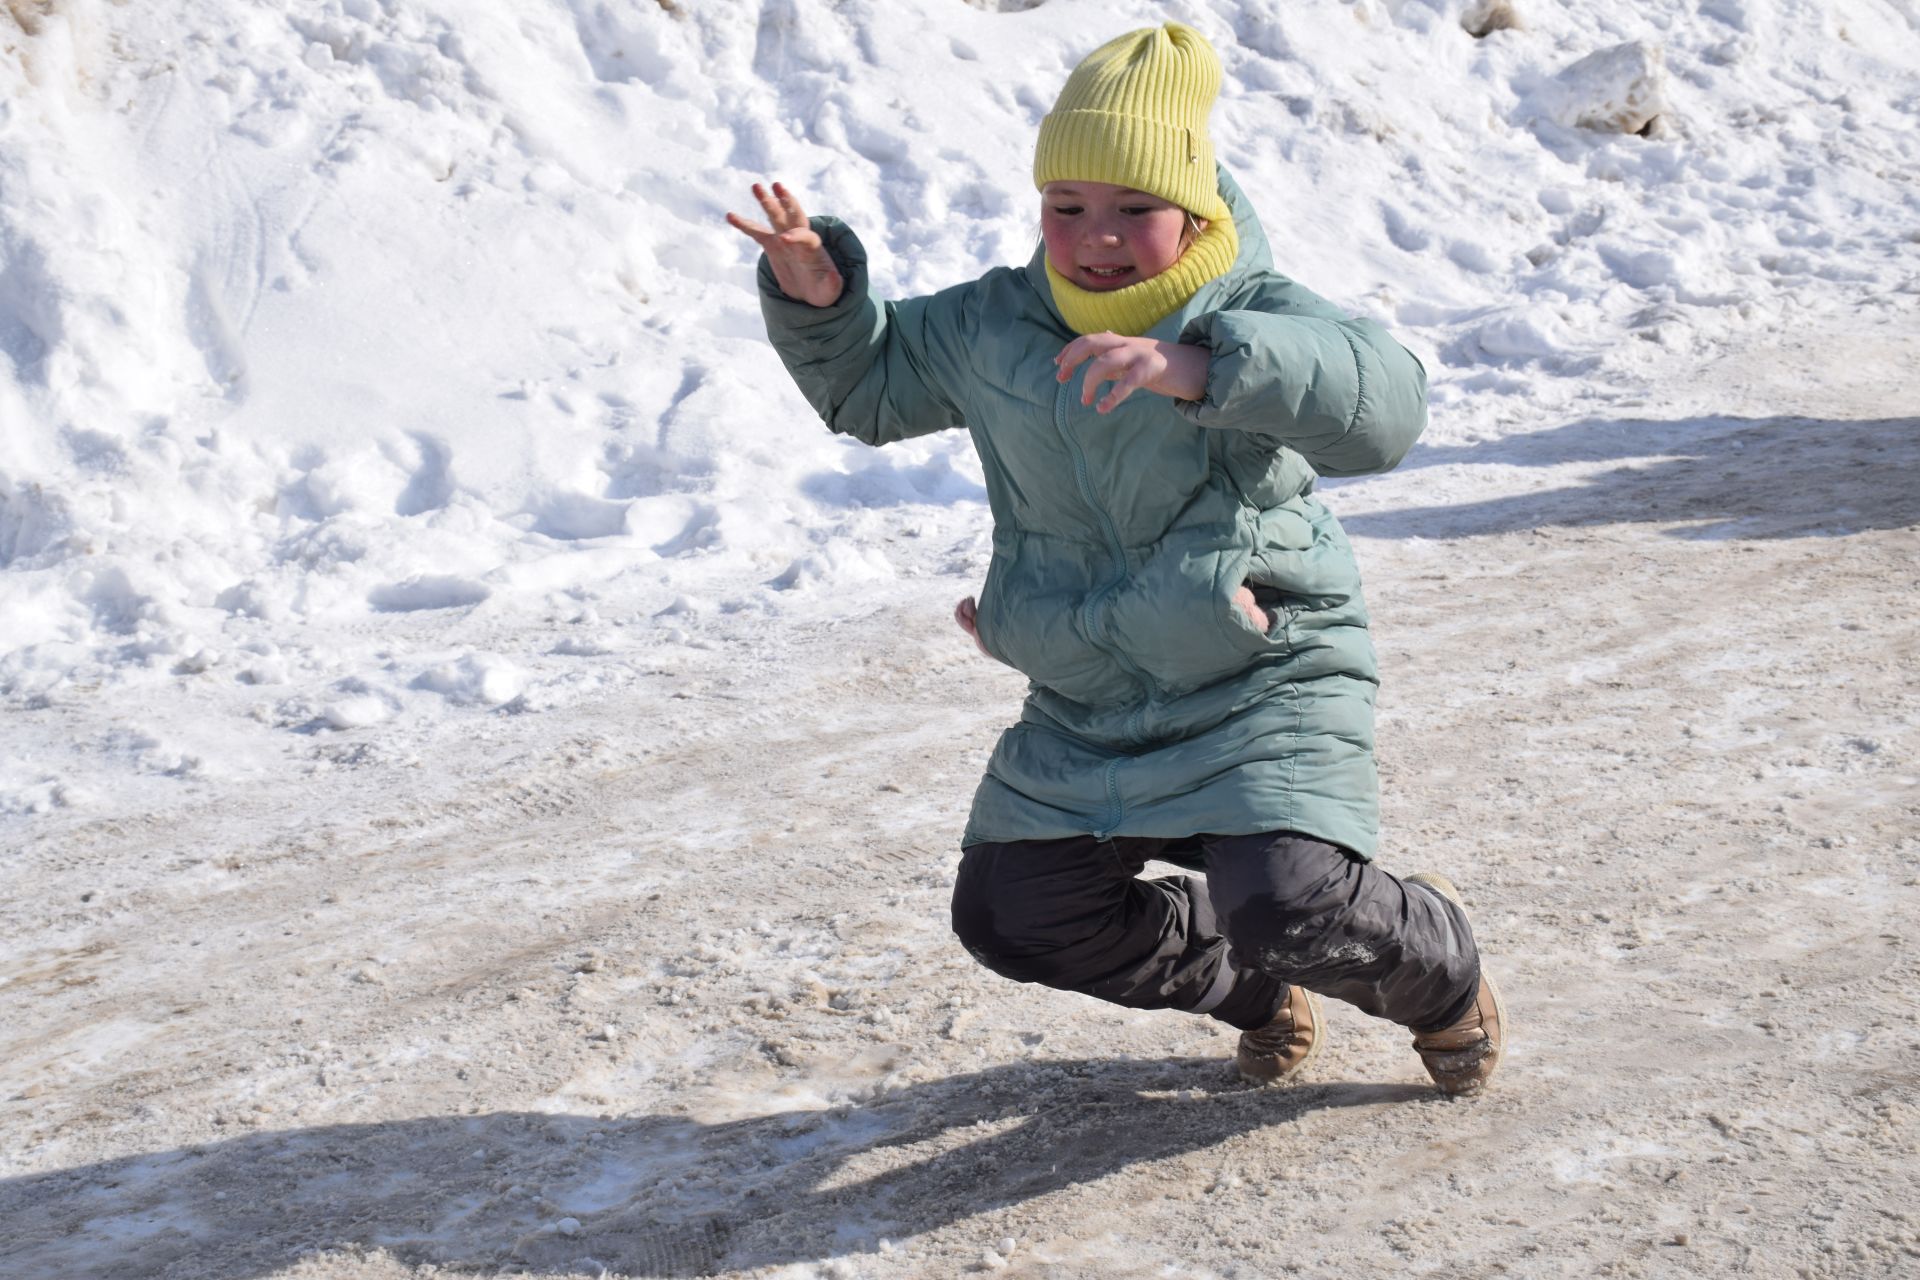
<point>1617,90</point>
<point>416,570</point>
<point>324,311</point>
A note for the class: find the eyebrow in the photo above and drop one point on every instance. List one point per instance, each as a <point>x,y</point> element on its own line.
<point>1054,189</point>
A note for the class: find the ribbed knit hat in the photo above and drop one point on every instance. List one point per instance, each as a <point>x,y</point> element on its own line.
<point>1134,113</point>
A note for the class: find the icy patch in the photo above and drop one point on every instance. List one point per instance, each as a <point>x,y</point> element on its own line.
<point>1592,1163</point>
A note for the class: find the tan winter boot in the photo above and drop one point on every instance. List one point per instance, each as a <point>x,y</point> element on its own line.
<point>1281,1049</point>
<point>1462,1058</point>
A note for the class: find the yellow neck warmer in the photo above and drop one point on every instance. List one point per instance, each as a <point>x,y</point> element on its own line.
<point>1135,309</point>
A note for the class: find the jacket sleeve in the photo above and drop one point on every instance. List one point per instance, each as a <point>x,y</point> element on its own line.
<point>1291,365</point>
<point>877,371</point>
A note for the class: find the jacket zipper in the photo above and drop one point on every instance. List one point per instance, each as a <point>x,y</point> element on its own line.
<point>1090,610</point>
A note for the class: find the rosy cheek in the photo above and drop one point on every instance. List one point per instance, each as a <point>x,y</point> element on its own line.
<point>1059,245</point>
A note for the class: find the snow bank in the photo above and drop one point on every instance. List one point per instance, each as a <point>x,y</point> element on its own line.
<point>338,335</point>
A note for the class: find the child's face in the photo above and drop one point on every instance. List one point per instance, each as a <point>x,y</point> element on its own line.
<point>1103,237</point>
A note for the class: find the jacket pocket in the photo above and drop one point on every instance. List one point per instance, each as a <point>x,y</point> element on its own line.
<point>1030,617</point>
<point>1241,629</point>
<point>1176,617</point>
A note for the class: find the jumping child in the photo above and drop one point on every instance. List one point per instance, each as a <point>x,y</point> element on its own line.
<point>1151,402</point>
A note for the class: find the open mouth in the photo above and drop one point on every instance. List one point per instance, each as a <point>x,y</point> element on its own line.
<point>1107,275</point>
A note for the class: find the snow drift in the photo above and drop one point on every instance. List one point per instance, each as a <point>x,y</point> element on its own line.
<point>384,358</point>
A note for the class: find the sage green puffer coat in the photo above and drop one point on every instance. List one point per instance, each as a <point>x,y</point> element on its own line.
<point>1156,708</point>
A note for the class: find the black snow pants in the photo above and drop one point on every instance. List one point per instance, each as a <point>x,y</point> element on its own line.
<point>1273,910</point>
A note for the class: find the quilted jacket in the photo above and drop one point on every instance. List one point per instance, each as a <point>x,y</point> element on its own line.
<point>1156,707</point>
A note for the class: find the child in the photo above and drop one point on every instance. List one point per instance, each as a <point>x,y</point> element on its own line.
<point>1151,402</point>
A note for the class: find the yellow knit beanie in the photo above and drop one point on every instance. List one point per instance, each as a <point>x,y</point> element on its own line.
<point>1134,113</point>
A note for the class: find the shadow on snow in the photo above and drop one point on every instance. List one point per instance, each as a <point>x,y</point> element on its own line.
<point>657,1195</point>
<point>1706,478</point>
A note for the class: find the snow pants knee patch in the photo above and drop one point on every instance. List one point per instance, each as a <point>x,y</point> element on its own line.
<point>1312,915</point>
<point>1075,915</point>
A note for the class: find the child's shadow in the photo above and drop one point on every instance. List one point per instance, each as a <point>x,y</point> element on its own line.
<point>649,1195</point>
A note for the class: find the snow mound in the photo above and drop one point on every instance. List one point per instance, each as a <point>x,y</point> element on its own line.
<point>475,679</point>
<point>1617,90</point>
<point>336,337</point>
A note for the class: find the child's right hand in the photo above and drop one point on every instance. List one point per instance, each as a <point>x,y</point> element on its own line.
<point>801,264</point>
<point>967,613</point>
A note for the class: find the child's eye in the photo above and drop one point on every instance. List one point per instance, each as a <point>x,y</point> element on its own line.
<point>1137,210</point>
<point>1066,210</point>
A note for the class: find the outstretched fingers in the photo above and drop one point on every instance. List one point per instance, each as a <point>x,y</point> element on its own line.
<point>782,210</point>
<point>758,233</point>
<point>801,264</point>
<point>770,205</point>
<point>790,205</point>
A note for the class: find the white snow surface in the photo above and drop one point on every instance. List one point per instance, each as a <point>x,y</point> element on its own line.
<point>348,340</point>
<point>392,463</point>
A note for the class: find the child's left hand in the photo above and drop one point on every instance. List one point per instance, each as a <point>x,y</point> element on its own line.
<point>1134,364</point>
<point>1244,600</point>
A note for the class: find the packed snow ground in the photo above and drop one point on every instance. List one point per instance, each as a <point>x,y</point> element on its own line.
<point>481,765</point>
